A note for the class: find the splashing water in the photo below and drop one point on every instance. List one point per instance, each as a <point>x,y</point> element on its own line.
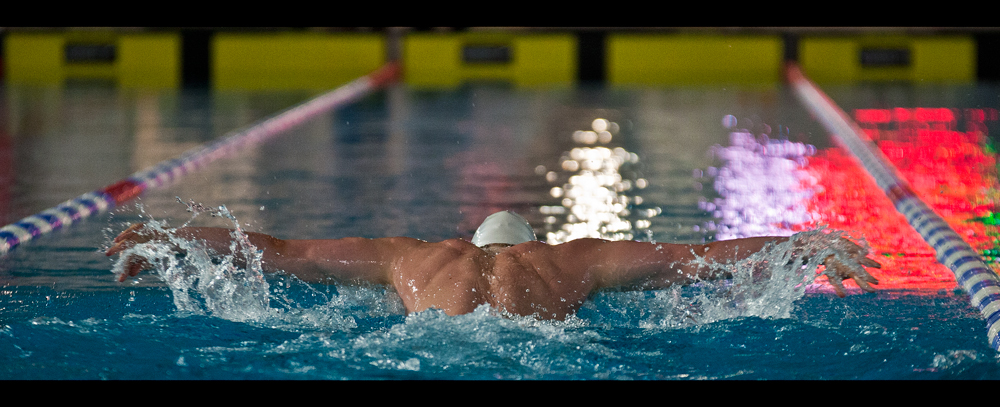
<point>230,285</point>
<point>201,284</point>
<point>765,285</point>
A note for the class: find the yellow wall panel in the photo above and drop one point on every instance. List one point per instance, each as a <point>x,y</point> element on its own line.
<point>903,58</point>
<point>432,60</point>
<point>690,59</point>
<point>34,57</point>
<point>829,59</point>
<point>949,59</point>
<point>293,60</point>
<point>546,60</point>
<point>149,60</point>
<point>135,59</point>
<point>523,59</point>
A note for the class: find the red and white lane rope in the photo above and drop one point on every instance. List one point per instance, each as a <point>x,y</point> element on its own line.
<point>975,277</point>
<point>166,172</point>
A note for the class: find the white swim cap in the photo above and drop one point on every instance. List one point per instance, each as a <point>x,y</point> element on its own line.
<point>503,227</point>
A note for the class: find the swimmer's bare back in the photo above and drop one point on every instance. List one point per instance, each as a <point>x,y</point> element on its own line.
<point>455,276</point>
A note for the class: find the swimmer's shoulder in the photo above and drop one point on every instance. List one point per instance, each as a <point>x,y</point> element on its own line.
<point>590,249</point>
<point>457,245</point>
<point>531,247</point>
<point>571,248</point>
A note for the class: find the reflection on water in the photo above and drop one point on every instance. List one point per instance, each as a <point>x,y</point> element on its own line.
<point>762,183</point>
<point>769,187</point>
<point>597,201</point>
<point>946,166</point>
<point>363,171</point>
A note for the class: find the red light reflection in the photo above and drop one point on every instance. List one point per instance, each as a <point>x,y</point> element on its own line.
<point>947,169</point>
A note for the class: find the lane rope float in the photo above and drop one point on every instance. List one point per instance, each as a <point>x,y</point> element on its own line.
<point>972,274</point>
<point>166,172</point>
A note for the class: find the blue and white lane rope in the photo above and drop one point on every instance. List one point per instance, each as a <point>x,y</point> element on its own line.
<point>972,274</point>
<point>98,201</point>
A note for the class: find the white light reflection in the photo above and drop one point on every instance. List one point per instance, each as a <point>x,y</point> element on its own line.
<point>594,197</point>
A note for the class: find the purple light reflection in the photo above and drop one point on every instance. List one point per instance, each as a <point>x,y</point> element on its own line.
<point>763,187</point>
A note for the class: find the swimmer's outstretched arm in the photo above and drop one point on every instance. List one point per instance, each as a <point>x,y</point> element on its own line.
<point>332,260</point>
<point>643,266</point>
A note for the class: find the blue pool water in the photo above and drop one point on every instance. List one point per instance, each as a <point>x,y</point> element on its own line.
<point>431,165</point>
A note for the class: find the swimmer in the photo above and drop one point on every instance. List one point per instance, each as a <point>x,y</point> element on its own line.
<point>503,266</point>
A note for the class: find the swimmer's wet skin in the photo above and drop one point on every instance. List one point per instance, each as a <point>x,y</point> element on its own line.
<point>505,268</point>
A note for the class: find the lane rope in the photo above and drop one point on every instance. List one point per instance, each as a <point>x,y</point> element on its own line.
<point>168,171</point>
<point>972,274</point>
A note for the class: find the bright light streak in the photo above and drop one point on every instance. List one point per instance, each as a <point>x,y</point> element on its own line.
<point>595,198</point>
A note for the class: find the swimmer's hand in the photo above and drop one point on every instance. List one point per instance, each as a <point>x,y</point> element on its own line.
<point>134,235</point>
<point>850,263</point>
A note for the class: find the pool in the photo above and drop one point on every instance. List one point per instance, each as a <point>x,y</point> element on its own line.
<point>431,165</point>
